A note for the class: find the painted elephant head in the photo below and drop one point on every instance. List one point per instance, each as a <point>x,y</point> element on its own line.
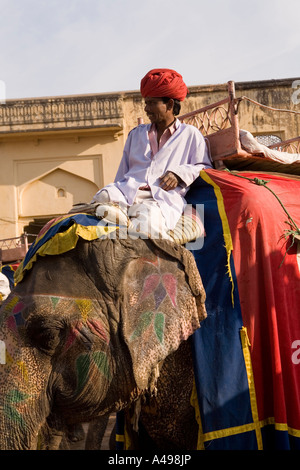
<point>84,332</point>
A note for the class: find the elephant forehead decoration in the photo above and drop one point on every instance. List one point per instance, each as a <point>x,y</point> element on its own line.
<point>82,330</point>
<point>17,310</point>
<point>85,326</point>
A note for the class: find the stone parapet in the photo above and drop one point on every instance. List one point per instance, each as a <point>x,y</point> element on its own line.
<point>61,113</point>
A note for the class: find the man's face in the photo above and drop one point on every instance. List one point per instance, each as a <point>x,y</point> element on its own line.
<point>158,111</point>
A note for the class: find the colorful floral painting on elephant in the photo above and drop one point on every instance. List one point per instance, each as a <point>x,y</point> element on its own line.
<point>85,332</point>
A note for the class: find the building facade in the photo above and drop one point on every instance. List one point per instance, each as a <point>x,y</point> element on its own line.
<point>58,151</point>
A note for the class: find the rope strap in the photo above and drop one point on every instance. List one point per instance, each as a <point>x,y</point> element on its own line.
<point>294,232</point>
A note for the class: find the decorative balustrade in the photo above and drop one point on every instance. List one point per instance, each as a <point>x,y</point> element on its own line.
<point>13,249</point>
<point>54,111</point>
<point>211,118</point>
<point>223,115</point>
<point>290,146</point>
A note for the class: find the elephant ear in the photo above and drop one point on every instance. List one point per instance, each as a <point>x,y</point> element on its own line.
<point>163,306</point>
<point>187,260</point>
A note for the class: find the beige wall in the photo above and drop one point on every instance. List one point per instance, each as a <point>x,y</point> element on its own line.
<point>57,151</point>
<point>45,177</point>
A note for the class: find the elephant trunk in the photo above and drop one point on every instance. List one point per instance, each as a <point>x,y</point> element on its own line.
<point>16,435</point>
<point>21,418</point>
<point>24,404</point>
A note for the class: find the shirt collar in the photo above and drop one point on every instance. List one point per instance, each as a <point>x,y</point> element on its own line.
<point>172,128</point>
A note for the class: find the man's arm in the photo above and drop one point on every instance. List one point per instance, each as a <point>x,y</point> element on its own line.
<point>170,181</point>
<point>185,174</point>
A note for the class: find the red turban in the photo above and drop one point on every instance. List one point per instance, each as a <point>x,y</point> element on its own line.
<point>159,83</point>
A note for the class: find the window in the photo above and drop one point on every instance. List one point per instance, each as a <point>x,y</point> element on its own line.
<point>61,192</point>
<point>268,139</point>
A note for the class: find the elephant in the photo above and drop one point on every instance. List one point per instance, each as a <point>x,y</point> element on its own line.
<point>87,332</point>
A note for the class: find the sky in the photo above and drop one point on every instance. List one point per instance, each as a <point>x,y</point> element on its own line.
<point>67,47</point>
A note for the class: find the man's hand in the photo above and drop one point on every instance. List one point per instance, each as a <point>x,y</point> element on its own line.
<point>169,181</point>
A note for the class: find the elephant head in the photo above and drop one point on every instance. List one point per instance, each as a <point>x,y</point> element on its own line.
<point>85,332</point>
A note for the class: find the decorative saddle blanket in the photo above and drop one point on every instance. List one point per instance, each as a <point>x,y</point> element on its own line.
<point>60,235</point>
<point>247,351</point>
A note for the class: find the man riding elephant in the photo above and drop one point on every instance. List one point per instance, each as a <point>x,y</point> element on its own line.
<point>160,161</point>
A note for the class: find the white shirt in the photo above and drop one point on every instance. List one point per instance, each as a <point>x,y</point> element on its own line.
<point>185,154</point>
<point>4,287</point>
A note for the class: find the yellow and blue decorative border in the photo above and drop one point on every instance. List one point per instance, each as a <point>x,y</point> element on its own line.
<point>61,235</point>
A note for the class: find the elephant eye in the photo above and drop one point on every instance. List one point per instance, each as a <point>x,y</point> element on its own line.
<point>46,340</point>
<point>41,336</point>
